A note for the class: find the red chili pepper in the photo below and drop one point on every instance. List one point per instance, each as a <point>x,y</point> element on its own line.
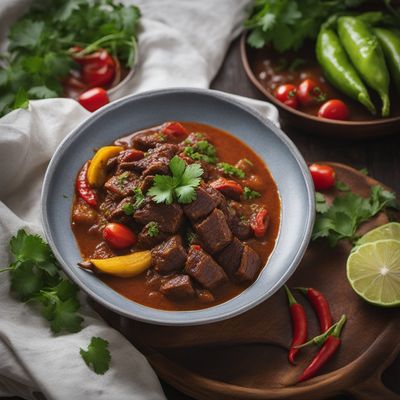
<point>228,187</point>
<point>260,222</point>
<point>299,325</point>
<point>320,305</point>
<point>83,189</point>
<point>325,353</point>
<point>175,129</point>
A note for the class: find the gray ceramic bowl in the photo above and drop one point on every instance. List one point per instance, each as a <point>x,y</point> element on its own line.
<point>152,108</point>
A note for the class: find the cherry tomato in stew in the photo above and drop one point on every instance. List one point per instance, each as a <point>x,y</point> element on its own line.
<point>119,236</point>
<point>323,176</point>
<point>310,93</point>
<point>93,99</point>
<point>334,109</point>
<point>259,223</point>
<point>287,94</point>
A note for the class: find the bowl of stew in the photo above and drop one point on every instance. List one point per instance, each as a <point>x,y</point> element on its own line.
<point>178,207</point>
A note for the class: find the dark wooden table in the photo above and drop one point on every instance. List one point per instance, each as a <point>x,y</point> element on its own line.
<point>381,157</point>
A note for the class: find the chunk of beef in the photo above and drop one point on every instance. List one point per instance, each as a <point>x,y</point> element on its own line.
<point>154,280</point>
<point>82,213</point>
<point>147,241</point>
<point>112,163</point>
<point>146,183</point>
<point>237,221</point>
<point>249,265</point>
<point>214,231</point>
<point>229,258</point>
<point>168,216</point>
<point>218,197</point>
<point>109,204</point>
<point>102,250</point>
<point>118,211</point>
<point>201,207</point>
<point>147,140</point>
<point>205,296</point>
<point>122,184</point>
<point>178,287</point>
<point>169,255</point>
<point>201,267</point>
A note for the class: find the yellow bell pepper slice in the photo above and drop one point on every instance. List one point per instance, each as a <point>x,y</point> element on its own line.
<point>124,266</point>
<point>96,173</point>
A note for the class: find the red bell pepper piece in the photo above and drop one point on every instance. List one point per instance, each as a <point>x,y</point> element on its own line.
<point>83,189</point>
<point>175,129</point>
<point>228,187</point>
<point>259,223</point>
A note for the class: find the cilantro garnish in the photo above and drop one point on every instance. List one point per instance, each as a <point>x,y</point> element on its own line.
<point>38,54</point>
<point>97,356</point>
<point>229,169</point>
<point>152,229</point>
<point>130,208</point>
<point>202,151</point>
<point>180,186</point>
<point>250,194</point>
<point>341,220</point>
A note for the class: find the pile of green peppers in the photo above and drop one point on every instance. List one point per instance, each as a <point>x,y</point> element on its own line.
<point>355,54</point>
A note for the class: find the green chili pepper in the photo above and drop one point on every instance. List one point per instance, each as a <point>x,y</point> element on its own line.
<point>367,56</point>
<point>390,43</point>
<point>338,69</point>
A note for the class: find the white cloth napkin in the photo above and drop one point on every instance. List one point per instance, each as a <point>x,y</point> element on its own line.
<point>182,44</point>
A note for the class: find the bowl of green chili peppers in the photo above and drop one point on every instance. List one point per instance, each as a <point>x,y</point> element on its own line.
<point>347,82</point>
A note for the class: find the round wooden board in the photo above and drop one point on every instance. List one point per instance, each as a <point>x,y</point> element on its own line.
<point>246,357</point>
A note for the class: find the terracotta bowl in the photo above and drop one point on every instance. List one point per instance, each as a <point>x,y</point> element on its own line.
<point>314,124</point>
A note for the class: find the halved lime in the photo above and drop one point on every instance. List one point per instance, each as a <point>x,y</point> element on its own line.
<point>387,231</point>
<point>373,271</point>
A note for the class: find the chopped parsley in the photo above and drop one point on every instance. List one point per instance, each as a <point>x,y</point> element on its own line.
<point>152,229</point>
<point>250,194</point>
<point>341,220</point>
<point>97,356</point>
<point>123,179</point>
<point>229,169</point>
<point>202,151</point>
<point>130,208</point>
<point>180,186</point>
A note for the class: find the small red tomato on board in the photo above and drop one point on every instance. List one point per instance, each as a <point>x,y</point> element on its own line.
<point>334,109</point>
<point>310,93</point>
<point>287,94</point>
<point>119,236</point>
<point>93,99</point>
<point>323,176</point>
<point>174,129</point>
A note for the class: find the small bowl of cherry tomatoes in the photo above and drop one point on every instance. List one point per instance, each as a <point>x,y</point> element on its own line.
<point>295,83</point>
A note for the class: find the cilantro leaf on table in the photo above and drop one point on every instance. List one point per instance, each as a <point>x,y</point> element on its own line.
<point>288,23</point>
<point>341,220</point>
<point>97,356</point>
<point>180,186</point>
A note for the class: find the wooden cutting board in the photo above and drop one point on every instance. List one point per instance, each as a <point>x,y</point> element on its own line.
<point>246,357</point>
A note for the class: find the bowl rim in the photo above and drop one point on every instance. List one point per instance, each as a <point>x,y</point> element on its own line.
<point>185,317</point>
<point>297,113</point>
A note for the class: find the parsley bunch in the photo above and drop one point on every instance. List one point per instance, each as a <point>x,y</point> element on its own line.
<point>341,220</point>
<point>38,51</point>
<point>288,23</point>
<point>180,186</point>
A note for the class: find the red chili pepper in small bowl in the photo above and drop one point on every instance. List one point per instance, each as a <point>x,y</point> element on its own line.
<point>323,176</point>
<point>331,342</point>
<point>287,94</point>
<point>320,306</point>
<point>93,99</point>
<point>259,223</point>
<point>299,325</point>
<point>83,189</point>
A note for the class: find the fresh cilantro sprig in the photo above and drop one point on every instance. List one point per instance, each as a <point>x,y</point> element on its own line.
<point>288,23</point>
<point>130,208</point>
<point>250,194</point>
<point>153,229</point>
<point>97,356</point>
<point>38,54</point>
<point>341,220</point>
<point>229,169</point>
<point>202,151</point>
<point>180,186</point>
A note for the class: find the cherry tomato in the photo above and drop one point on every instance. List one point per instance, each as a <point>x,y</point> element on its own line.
<point>259,223</point>
<point>93,99</point>
<point>334,109</point>
<point>287,94</point>
<point>119,236</point>
<point>175,129</point>
<point>92,75</point>
<point>310,93</point>
<point>323,176</point>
